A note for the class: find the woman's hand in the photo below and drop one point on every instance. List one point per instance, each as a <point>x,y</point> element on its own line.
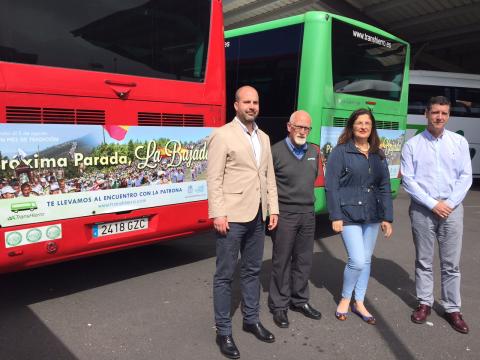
<point>337,225</point>
<point>386,229</point>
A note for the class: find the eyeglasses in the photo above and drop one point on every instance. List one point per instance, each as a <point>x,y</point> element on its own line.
<point>299,127</point>
<point>362,124</point>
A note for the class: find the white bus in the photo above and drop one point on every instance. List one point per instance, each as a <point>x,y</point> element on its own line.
<point>463,90</point>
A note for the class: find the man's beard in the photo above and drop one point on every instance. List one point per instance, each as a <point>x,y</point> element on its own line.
<point>300,141</point>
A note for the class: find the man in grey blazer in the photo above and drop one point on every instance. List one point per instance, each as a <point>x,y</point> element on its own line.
<point>241,191</point>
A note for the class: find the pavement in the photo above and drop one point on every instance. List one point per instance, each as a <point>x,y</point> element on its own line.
<point>155,302</point>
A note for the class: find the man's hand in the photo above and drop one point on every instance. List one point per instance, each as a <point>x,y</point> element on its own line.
<point>337,225</point>
<point>221,225</point>
<point>272,224</point>
<point>442,209</point>
<point>386,229</point>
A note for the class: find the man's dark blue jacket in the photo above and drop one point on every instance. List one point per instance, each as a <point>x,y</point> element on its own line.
<point>358,188</point>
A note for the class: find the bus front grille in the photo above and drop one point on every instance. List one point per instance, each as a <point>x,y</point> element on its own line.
<point>58,116</point>
<point>28,115</point>
<point>165,119</point>
<point>90,117</point>
<point>34,115</point>
<point>387,125</point>
<point>339,122</point>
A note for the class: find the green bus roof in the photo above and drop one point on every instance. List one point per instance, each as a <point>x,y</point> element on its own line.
<point>310,16</point>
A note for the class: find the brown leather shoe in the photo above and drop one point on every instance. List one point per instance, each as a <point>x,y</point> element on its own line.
<point>455,319</point>
<point>419,316</point>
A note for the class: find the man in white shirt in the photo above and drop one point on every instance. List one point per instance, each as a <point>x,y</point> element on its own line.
<point>437,173</point>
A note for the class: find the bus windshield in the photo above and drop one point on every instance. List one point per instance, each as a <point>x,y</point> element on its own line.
<point>366,64</point>
<point>152,38</point>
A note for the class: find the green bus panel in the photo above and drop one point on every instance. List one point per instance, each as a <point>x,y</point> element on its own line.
<point>330,51</point>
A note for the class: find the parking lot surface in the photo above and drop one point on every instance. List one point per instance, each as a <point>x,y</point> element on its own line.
<point>155,302</point>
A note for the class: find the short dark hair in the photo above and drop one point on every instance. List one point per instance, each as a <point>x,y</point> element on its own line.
<point>438,100</point>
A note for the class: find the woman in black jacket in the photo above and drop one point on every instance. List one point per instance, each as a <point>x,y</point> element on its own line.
<point>359,202</point>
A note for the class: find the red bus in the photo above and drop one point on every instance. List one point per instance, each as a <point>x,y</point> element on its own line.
<point>105,107</point>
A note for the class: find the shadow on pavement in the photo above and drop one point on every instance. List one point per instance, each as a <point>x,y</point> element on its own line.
<point>25,336</point>
<point>327,272</point>
<point>393,277</point>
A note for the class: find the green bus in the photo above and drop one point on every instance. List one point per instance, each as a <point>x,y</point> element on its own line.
<point>328,65</point>
<point>28,205</point>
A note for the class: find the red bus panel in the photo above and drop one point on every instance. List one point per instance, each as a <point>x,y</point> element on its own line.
<point>102,72</point>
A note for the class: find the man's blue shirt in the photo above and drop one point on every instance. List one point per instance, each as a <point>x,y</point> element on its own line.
<point>299,152</point>
<point>435,169</point>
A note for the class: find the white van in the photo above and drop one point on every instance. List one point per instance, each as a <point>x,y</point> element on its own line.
<point>463,90</point>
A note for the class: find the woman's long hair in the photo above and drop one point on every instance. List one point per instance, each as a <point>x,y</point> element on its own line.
<point>373,139</point>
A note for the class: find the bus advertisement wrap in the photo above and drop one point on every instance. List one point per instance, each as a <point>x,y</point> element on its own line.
<point>52,172</point>
<point>391,143</point>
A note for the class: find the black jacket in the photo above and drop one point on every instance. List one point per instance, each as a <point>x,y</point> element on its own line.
<point>358,189</point>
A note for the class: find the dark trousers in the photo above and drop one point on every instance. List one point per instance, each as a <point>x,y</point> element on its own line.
<point>291,260</point>
<point>248,239</point>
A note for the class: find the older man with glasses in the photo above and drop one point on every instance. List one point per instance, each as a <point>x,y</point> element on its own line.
<point>296,168</point>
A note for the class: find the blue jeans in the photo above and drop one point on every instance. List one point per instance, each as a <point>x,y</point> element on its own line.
<point>359,241</point>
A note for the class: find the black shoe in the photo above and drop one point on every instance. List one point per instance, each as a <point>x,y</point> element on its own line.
<point>307,310</point>
<point>259,331</point>
<point>227,346</point>
<point>280,318</point>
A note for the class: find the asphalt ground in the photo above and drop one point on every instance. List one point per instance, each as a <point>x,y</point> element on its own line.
<point>155,302</point>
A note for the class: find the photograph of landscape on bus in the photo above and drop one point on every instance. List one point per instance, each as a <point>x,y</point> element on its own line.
<point>55,159</point>
<point>391,143</point>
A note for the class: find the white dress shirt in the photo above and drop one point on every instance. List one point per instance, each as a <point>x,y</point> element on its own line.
<point>436,169</point>
<point>253,140</point>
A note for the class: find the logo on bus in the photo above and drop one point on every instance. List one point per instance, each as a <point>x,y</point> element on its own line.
<point>34,235</point>
<point>53,232</point>
<point>29,205</point>
<point>14,238</point>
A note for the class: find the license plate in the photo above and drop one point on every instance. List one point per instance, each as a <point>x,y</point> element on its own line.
<point>119,227</point>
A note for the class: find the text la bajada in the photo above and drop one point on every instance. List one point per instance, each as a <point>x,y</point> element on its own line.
<point>174,153</point>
